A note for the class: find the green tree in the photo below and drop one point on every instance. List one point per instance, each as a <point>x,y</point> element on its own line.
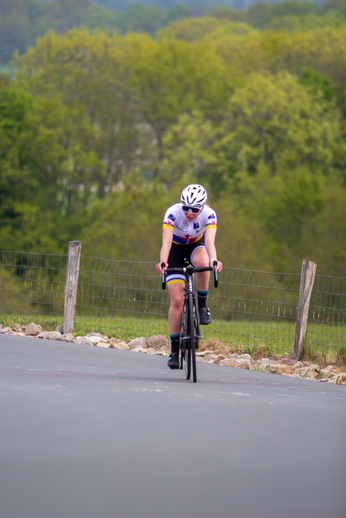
<point>322,50</point>
<point>303,23</point>
<point>47,171</point>
<point>62,15</point>
<point>232,31</point>
<point>189,152</point>
<point>324,239</point>
<point>177,12</point>
<point>282,204</point>
<point>318,84</point>
<point>145,18</point>
<point>275,120</point>
<point>25,222</point>
<point>131,89</point>
<point>337,6</point>
<point>272,156</point>
<point>90,74</point>
<point>126,224</point>
<point>15,33</point>
<point>242,240</point>
<point>13,112</point>
<point>303,214</point>
<point>98,17</point>
<point>223,12</point>
<point>260,14</point>
<point>65,162</point>
<point>192,29</point>
<point>169,77</point>
<point>272,120</point>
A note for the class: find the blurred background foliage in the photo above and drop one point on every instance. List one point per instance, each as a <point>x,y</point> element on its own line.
<point>109,109</point>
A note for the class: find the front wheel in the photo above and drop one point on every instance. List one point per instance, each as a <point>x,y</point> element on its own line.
<point>191,334</point>
<point>187,360</point>
<point>185,349</point>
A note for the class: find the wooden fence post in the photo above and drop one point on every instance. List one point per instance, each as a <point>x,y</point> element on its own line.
<point>72,272</point>
<point>306,284</point>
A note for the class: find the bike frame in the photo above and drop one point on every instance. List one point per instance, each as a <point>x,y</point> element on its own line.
<point>190,331</point>
<point>189,288</point>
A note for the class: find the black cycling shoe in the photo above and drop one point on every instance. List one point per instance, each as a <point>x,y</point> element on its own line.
<point>173,361</point>
<point>204,316</point>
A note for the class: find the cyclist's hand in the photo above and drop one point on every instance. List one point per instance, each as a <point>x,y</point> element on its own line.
<point>158,268</point>
<point>219,265</point>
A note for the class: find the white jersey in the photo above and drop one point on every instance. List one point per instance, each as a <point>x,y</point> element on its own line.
<point>184,231</point>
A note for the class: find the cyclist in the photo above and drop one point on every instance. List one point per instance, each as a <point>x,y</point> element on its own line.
<point>189,230</point>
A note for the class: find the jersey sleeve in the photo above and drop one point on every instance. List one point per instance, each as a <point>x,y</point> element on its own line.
<point>169,219</point>
<point>211,221</point>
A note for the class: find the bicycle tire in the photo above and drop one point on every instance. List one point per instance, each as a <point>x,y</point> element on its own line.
<point>187,361</point>
<point>191,331</point>
<point>185,348</point>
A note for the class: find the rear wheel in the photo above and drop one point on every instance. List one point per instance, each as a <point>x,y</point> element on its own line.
<point>191,334</point>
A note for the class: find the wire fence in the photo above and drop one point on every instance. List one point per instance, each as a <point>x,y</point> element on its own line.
<point>32,287</point>
<point>125,299</point>
<point>327,312</point>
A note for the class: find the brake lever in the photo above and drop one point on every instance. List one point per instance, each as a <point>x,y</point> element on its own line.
<point>163,266</point>
<point>216,275</point>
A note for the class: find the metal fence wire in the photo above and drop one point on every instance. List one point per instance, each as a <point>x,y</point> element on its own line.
<point>327,312</point>
<point>32,287</point>
<point>125,299</point>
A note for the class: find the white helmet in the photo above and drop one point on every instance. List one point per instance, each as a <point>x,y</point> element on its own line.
<point>194,195</point>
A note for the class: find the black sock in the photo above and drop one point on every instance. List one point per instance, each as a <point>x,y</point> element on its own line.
<point>202,298</point>
<point>175,343</point>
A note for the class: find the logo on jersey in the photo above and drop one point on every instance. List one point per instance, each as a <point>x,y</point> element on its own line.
<point>173,218</point>
<point>212,216</point>
<point>185,224</point>
<point>196,225</point>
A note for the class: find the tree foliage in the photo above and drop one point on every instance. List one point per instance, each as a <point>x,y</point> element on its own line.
<point>274,153</point>
<point>23,21</point>
<point>272,120</point>
<point>100,130</point>
<point>25,220</point>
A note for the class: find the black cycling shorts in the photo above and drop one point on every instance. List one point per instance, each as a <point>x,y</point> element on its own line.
<point>178,256</point>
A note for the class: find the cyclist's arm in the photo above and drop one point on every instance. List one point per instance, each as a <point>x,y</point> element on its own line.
<point>167,238</point>
<point>209,237</point>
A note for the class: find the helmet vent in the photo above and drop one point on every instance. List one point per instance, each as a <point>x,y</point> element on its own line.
<point>194,196</point>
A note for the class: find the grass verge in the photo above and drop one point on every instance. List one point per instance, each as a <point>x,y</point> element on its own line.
<point>273,340</point>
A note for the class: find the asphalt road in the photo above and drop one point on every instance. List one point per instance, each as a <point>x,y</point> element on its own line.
<point>87,432</point>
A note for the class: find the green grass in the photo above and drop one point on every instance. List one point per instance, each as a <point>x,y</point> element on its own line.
<point>48,322</point>
<point>274,335</point>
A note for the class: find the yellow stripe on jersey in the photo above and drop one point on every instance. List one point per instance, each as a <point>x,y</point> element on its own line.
<point>168,226</point>
<point>211,225</point>
<point>183,241</point>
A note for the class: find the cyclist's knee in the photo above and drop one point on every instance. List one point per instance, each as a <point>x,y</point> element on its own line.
<point>177,303</point>
<point>200,259</point>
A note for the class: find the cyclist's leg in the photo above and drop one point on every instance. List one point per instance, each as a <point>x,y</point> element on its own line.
<point>200,259</point>
<point>176,293</point>
<point>175,284</point>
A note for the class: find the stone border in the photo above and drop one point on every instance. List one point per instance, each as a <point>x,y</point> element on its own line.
<point>159,345</point>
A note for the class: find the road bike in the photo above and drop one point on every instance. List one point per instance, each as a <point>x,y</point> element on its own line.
<point>190,327</point>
